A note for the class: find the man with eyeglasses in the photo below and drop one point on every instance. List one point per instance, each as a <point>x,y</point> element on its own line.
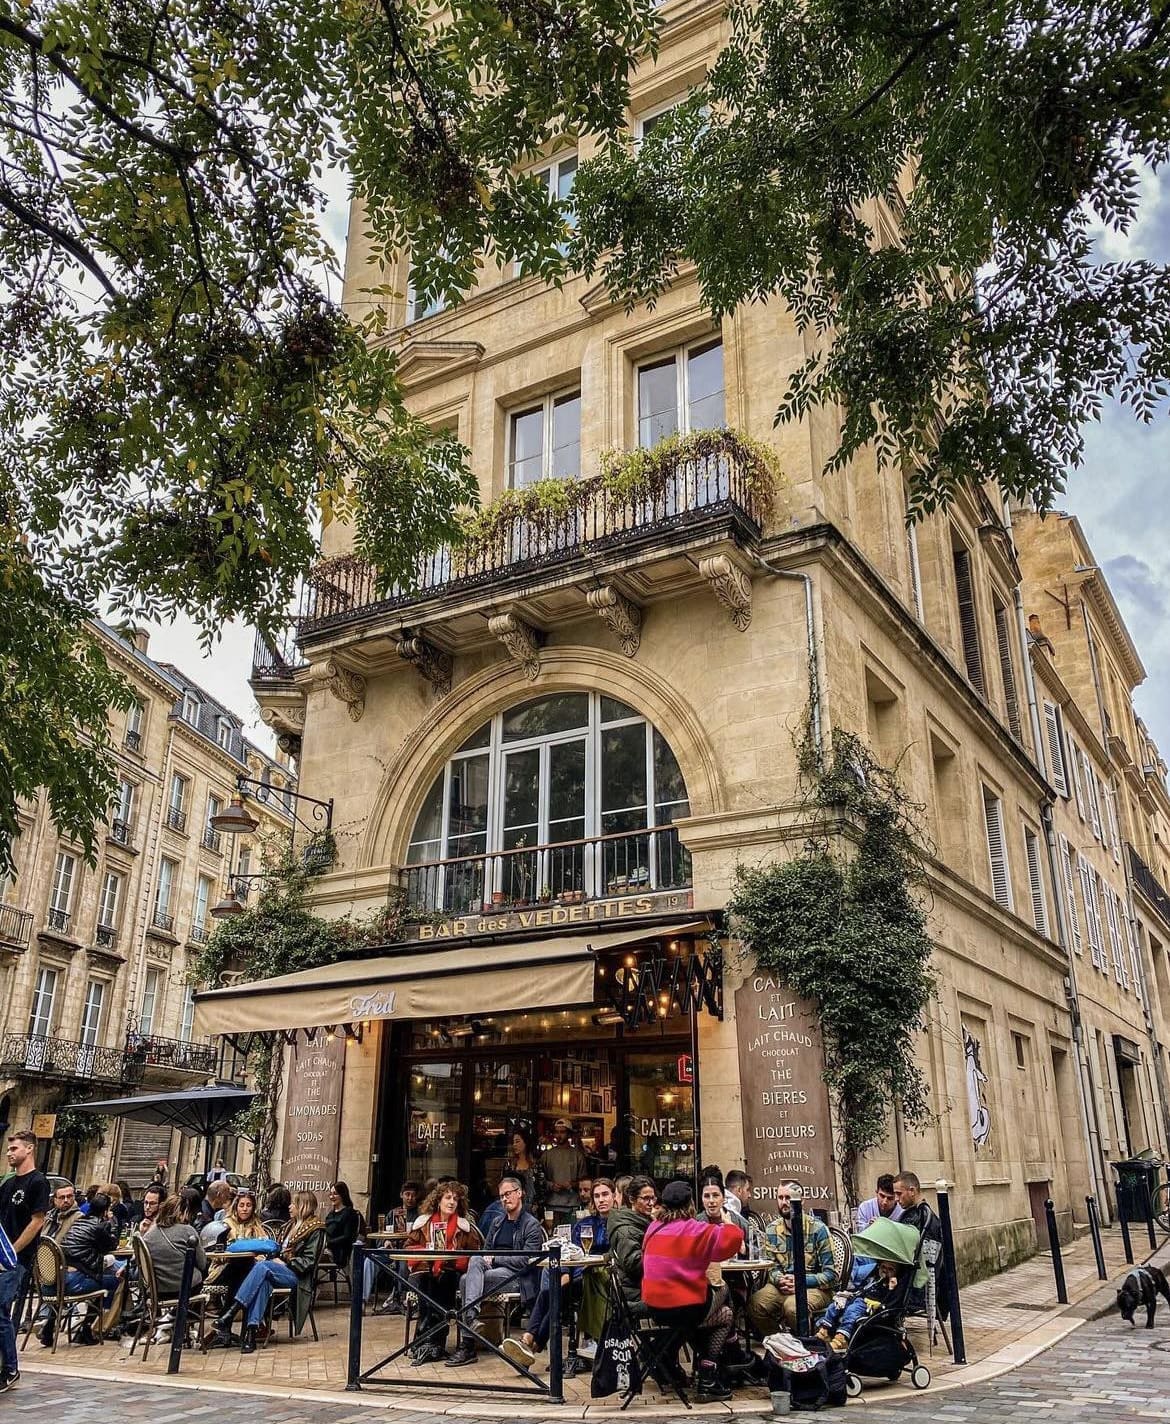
<point>514,1230</point>
<point>627,1230</point>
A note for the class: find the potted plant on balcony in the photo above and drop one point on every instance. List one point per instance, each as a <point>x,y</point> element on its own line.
<point>545,894</point>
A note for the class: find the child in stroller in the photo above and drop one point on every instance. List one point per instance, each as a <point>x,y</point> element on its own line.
<point>876,1343</point>
<point>849,1308</point>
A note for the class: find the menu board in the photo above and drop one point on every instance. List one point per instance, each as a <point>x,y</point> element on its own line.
<point>312,1116</point>
<point>786,1126</point>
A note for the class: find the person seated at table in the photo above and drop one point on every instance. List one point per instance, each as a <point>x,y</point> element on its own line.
<point>167,1243</point>
<point>442,1224</point>
<point>152,1199</point>
<point>126,1209</point>
<point>85,1246</point>
<point>516,1230</point>
<point>191,1206</point>
<point>63,1212</point>
<point>627,1229</point>
<point>735,1359</point>
<point>398,1223</point>
<point>591,1234</point>
<point>243,1224</point>
<point>215,1204</point>
<point>277,1207</point>
<point>773,1306</point>
<point>343,1224</point>
<point>294,1269</point>
<point>676,1253</point>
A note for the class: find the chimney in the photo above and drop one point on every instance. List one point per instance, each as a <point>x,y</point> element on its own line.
<point>138,638</point>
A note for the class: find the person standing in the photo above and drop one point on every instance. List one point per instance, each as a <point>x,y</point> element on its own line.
<point>24,1204</point>
<point>884,1202</point>
<point>564,1166</point>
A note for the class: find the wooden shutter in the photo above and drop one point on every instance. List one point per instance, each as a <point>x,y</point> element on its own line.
<point>1070,894</point>
<point>1074,764</point>
<point>1120,969</point>
<point>915,569</point>
<point>1132,940</point>
<point>1094,799</point>
<point>1036,881</point>
<point>1007,670</point>
<point>968,621</point>
<point>1110,796</point>
<point>1055,737</point>
<point>1092,913</point>
<point>1001,885</point>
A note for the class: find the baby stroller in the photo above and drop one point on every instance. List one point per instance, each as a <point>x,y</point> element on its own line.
<point>879,1346</point>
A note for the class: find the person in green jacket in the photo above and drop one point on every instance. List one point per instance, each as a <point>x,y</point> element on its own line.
<point>627,1228</point>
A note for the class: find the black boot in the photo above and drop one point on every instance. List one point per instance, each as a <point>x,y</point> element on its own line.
<point>85,1335</point>
<point>223,1322</point>
<point>708,1387</point>
<point>249,1345</point>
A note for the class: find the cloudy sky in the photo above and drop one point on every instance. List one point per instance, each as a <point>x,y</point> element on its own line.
<point>1117,495</point>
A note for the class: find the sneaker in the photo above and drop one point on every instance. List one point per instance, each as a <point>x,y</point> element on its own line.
<point>839,1343</point>
<point>518,1352</point>
<point>464,1355</point>
<point>587,1349</point>
<point>7,1380</point>
<point>389,1307</point>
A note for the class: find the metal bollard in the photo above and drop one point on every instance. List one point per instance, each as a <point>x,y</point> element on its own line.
<point>958,1342</point>
<point>179,1328</point>
<point>799,1278</point>
<point>1123,1222</point>
<point>1095,1234</point>
<point>1054,1247</point>
<point>1149,1200</point>
<point>353,1375</point>
<point>556,1381</point>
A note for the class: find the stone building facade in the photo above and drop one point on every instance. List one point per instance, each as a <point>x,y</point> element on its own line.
<point>93,958</point>
<point>563,749</point>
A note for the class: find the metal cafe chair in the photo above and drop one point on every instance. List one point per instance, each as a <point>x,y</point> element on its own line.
<point>49,1271</point>
<point>154,1305</point>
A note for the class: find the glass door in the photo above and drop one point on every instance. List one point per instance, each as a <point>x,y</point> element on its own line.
<point>40,1019</point>
<point>515,881</point>
<point>434,1118</point>
<point>661,1115</point>
<point>501,1121</point>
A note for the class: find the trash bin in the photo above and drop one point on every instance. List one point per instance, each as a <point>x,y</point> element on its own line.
<point>1137,1181</point>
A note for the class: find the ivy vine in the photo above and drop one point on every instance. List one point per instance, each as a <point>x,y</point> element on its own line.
<point>844,924</point>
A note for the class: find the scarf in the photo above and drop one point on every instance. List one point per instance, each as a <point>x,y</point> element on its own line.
<point>297,1232</point>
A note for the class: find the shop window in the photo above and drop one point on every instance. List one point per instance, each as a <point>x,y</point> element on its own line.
<point>434,1119</point>
<point>562,798</point>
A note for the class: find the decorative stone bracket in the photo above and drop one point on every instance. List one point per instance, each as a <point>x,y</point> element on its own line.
<point>731,586</point>
<point>521,640</point>
<point>620,616</point>
<point>348,687</point>
<point>431,663</point>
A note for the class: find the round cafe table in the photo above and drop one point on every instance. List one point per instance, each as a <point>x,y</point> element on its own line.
<point>574,1363</point>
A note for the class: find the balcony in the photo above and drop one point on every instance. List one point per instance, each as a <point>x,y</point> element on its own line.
<point>1148,884</point>
<point>35,1053</point>
<point>177,819</point>
<point>133,741</point>
<point>160,920</point>
<point>122,833</point>
<point>15,927</point>
<point>105,936</point>
<point>211,840</point>
<point>59,920</point>
<point>198,932</point>
<point>565,873</point>
<point>152,1050</point>
<point>660,543</point>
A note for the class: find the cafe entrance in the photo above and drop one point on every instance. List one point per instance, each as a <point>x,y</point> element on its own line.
<point>457,1093</point>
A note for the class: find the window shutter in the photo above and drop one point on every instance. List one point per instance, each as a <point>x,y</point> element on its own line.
<point>1036,881</point>
<point>915,569</point>
<point>1132,941</point>
<point>1092,913</point>
<point>968,622</point>
<point>1001,885</point>
<point>1055,732</point>
<point>1007,670</point>
<point>1070,895</point>
<point>1094,799</point>
<point>1120,971</point>
<point>1074,762</point>
<point>1110,797</point>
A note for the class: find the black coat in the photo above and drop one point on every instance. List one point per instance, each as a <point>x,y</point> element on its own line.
<point>87,1242</point>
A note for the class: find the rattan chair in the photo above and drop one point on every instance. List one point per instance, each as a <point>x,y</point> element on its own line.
<point>153,1305</point>
<point>842,1255</point>
<point>49,1272</point>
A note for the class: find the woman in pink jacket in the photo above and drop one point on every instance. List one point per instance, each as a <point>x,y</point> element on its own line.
<point>676,1252</point>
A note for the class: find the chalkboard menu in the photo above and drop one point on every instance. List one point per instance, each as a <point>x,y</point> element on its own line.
<point>786,1127</point>
<point>312,1117</point>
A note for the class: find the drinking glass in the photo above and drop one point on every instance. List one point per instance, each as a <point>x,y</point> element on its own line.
<point>587,1239</point>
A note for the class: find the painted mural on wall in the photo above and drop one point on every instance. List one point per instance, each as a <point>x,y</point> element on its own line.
<point>978,1110</point>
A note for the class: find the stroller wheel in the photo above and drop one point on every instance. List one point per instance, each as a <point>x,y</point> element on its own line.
<point>852,1386</point>
<point>920,1377</point>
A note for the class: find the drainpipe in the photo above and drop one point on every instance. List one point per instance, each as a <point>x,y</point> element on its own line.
<point>814,659</point>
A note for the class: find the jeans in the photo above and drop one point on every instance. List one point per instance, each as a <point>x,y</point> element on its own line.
<point>10,1284</point>
<point>844,1318</point>
<point>256,1290</point>
<point>483,1281</point>
<point>538,1323</point>
<point>78,1283</point>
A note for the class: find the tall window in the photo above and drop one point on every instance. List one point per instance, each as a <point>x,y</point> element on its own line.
<point>124,811</point>
<point>1001,884</point>
<point>570,795</point>
<point>165,889</point>
<point>1035,880</point>
<point>152,996</point>
<point>418,304</point>
<point>91,1014</point>
<point>64,871</point>
<point>40,1019</point>
<point>558,178</point>
<point>134,720</point>
<point>1007,667</point>
<point>110,902</point>
<point>187,1021</point>
<point>680,391</point>
<point>544,440</point>
<point>968,618</point>
<point>211,838</point>
<point>199,914</point>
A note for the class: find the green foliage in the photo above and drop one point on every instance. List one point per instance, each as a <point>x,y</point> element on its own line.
<point>848,931</point>
<point>919,181</point>
<point>79,1127</point>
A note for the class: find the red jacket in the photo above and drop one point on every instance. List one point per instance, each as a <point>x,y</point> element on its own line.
<point>675,1257</point>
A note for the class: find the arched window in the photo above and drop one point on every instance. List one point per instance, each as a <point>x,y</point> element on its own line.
<point>567,797</point>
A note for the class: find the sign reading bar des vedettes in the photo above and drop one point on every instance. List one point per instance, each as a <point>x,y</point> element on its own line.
<point>786,1126</point>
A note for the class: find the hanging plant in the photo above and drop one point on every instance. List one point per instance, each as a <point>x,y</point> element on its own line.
<point>847,929</point>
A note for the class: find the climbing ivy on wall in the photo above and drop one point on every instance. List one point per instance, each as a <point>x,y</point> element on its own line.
<point>844,924</point>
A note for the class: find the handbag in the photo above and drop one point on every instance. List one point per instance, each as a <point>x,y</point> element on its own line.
<point>253,1246</point>
<point>616,1368</point>
<point>821,1386</point>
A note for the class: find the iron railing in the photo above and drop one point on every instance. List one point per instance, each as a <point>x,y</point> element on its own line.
<point>563,873</point>
<point>63,1058</point>
<point>133,741</point>
<point>162,921</point>
<point>154,1050</point>
<point>15,927</point>
<point>176,818</point>
<point>1149,884</point>
<point>121,832</point>
<point>275,658</point>
<point>58,919</point>
<point>198,932</point>
<point>104,936</point>
<point>212,840</point>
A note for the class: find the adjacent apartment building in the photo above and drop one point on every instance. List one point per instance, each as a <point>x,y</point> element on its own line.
<point>94,995</point>
<point>555,751</point>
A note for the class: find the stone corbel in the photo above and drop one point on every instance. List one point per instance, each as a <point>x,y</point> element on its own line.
<point>620,616</point>
<point>731,586</point>
<point>348,687</point>
<point>521,640</point>
<point>431,663</point>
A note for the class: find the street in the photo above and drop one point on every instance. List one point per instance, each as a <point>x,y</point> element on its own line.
<point>1105,1368</point>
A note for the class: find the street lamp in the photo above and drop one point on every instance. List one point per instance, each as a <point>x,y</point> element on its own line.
<point>238,821</point>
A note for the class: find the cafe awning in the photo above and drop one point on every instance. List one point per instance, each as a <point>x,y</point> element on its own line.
<point>498,978</point>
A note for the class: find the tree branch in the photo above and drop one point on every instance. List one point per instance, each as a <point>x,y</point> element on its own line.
<point>11,201</point>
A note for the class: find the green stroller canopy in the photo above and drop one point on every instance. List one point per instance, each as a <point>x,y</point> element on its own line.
<point>885,1240</point>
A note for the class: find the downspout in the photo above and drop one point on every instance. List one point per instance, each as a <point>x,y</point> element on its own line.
<point>815,696</point>
<point>1086,1100</point>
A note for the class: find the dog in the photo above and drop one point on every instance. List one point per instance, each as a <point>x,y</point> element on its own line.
<point>1142,1286</point>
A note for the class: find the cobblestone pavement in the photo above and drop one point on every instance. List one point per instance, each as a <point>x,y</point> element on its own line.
<point>1104,1370</point>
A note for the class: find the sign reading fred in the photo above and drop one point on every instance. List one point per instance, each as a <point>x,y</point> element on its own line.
<point>786,1128</point>
<point>312,1116</point>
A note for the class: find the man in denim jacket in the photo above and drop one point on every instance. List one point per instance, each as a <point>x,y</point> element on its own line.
<point>774,1304</point>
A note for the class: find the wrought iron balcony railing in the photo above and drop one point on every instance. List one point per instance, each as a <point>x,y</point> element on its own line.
<point>1149,884</point>
<point>133,741</point>
<point>211,840</point>
<point>564,873</point>
<point>154,1050</point>
<point>15,927</point>
<point>162,921</point>
<point>63,1058</point>
<point>105,936</point>
<point>122,832</point>
<point>58,920</point>
<point>176,818</point>
<point>198,932</point>
<point>275,658</point>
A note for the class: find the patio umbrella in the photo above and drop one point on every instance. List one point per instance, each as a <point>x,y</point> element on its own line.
<point>885,1240</point>
<point>196,1112</point>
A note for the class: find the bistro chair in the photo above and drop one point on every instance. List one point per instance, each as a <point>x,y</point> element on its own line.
<point>659,1346</point>
<point>842,1255</point>
<point>49,1272</point>
<point>153,1306</point>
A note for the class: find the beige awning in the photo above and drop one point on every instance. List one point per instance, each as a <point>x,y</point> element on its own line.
<point>432,983</point>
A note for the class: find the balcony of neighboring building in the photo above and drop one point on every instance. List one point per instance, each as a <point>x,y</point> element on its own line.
<point>38,1055</point>
<point>15,928</point>
<point>602,552</point>
<point>154,1054</point>
<point>1147,884</point>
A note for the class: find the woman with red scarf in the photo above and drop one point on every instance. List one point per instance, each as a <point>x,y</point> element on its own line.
<point>443,1224</point>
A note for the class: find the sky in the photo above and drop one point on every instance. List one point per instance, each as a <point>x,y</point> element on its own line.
<point>1117,494</point>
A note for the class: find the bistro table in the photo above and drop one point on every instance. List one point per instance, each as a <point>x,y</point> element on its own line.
<point>574,1362</point>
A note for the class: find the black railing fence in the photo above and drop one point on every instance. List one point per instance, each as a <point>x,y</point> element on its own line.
<point>63,1057</point>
